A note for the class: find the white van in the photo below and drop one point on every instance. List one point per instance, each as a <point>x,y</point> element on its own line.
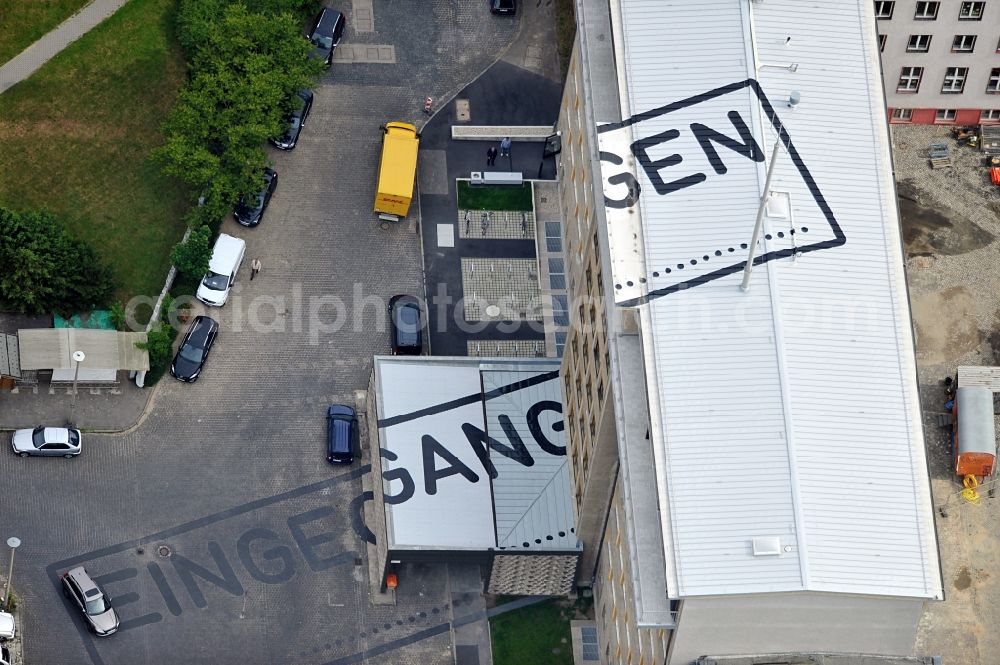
<point>227,256</point>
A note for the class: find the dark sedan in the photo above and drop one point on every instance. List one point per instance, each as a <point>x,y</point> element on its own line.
<point>405,326</point>
<point>250,210</point>
<point>325,33</point>
<point>191,357</point>
<point>508,7</point>
<point>341,434</point>
<point>296,120</point>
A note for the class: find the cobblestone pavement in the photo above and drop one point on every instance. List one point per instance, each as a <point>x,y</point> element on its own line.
<point>261,563</point>
<point>950,228</point>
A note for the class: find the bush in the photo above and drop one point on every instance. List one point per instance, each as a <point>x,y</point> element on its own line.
<point>118,316</point>
<point>45,269</point>
<point>159,343</point>
<point>192,257</point>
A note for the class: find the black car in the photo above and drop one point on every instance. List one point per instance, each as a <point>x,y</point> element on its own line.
<point>341,434</point>
<point>508,7</point>
<point>194,349</point>
<point>325,33</point>
<point>303,101</point>
<point>250,210</point>
<point>405,327</point>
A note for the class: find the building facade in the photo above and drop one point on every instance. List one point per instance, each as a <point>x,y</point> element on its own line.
<point>690,553</point>
<point>940,60</point>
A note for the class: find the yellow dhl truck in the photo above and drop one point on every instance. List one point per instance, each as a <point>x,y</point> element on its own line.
<point>397,170</point>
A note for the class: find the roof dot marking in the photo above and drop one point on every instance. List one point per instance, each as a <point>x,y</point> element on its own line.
<point>718,252</point>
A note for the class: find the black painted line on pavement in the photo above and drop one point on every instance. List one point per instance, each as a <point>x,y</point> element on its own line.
<point>391,646</point>
<point>468,399</point>
<point>53,568</point>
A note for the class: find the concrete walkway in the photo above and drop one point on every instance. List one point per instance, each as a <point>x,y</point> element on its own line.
<point>32,58</point>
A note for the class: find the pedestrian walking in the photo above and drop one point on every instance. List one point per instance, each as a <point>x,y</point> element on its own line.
<point>491,156</point>
<point>254,268</point>
<point>428,104</point>
<point>505,147</point>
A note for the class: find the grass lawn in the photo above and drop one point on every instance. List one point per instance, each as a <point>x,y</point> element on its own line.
<point>75,139</point>
<point>534,634</point>
<point>23,22</point>
<point>494,197</point>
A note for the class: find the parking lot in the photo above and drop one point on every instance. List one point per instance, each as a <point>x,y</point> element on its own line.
<point>216,523</point>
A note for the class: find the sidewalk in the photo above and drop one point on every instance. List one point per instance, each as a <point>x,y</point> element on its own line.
<point>32,58</point>
<point>97,409</point>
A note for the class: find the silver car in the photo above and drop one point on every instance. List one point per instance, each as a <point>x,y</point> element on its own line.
<point>79,587</point>
<point>47,441</point>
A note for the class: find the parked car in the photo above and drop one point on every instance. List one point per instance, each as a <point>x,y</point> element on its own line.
<point>303,102</point>
<point>325,33</point>
<point>7,628</point>
<point>250,210</point>
<point>341,434</point>
<point>227,256</point>
<point>47,442</point>
<point>405,328</point>
<point>95,605</point>
<point>194,350</point>
<point>508,7</point>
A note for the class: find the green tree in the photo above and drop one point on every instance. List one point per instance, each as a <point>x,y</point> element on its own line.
<point>46,269</point>
<point>159,343</point>
<point>245,67</point>
<point>192,257</point>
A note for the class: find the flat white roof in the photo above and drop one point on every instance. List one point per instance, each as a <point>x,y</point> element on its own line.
<point>785,419</point>
<point>475,453</point>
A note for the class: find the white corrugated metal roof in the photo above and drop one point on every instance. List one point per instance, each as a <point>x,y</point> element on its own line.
<point>437,417</point>
<point>790,411</point>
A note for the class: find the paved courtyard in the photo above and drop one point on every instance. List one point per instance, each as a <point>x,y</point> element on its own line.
<point>216,523</point>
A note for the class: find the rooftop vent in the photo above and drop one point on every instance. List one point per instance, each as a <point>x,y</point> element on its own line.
<point>766,546</point>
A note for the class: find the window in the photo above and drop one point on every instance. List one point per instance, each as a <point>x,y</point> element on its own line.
<point>884,9</point>
<point>918,44</point>
<point>971,11</point>
<point>993,86</point>
<point>963,44</point>
<point>926,11</point>
<point>990,115</point>
<point>954,80</point>
<point>909,79</point>
<point>902,115</point>
<point>944,115</point>
<point>881,43</point>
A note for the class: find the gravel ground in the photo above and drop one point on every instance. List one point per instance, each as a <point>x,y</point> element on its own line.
<point>951,229</point>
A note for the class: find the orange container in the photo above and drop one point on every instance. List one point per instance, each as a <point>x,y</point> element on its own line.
<point>974,464</point>
<point>995,175</point>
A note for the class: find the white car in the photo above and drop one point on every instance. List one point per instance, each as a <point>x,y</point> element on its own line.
<point>47,441</point>
<point>7,629</point>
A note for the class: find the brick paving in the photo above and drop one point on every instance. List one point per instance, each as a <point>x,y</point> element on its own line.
<point>501,289</point>
<point>228,473</point>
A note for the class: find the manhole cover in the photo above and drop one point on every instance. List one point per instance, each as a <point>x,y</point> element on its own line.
<point>462,110</point>
<point>163,550</point>
<point>492,310</point>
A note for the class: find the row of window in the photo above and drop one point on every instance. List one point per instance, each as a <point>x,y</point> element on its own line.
<point>954,80</point>
<point>946,115</point>
<point>922,44</point>
<point>928,11</point>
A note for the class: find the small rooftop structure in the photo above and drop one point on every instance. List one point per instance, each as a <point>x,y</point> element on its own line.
<point>106,352</point>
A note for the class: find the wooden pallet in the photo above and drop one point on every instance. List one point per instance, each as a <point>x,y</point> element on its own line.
<point>940,162</point>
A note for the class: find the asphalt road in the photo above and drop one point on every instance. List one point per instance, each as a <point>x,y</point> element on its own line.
<point>261,564</point>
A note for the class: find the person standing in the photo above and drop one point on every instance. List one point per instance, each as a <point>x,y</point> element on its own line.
<point>505,147</point>
<point>491,156</point>
<point>254,268</point>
